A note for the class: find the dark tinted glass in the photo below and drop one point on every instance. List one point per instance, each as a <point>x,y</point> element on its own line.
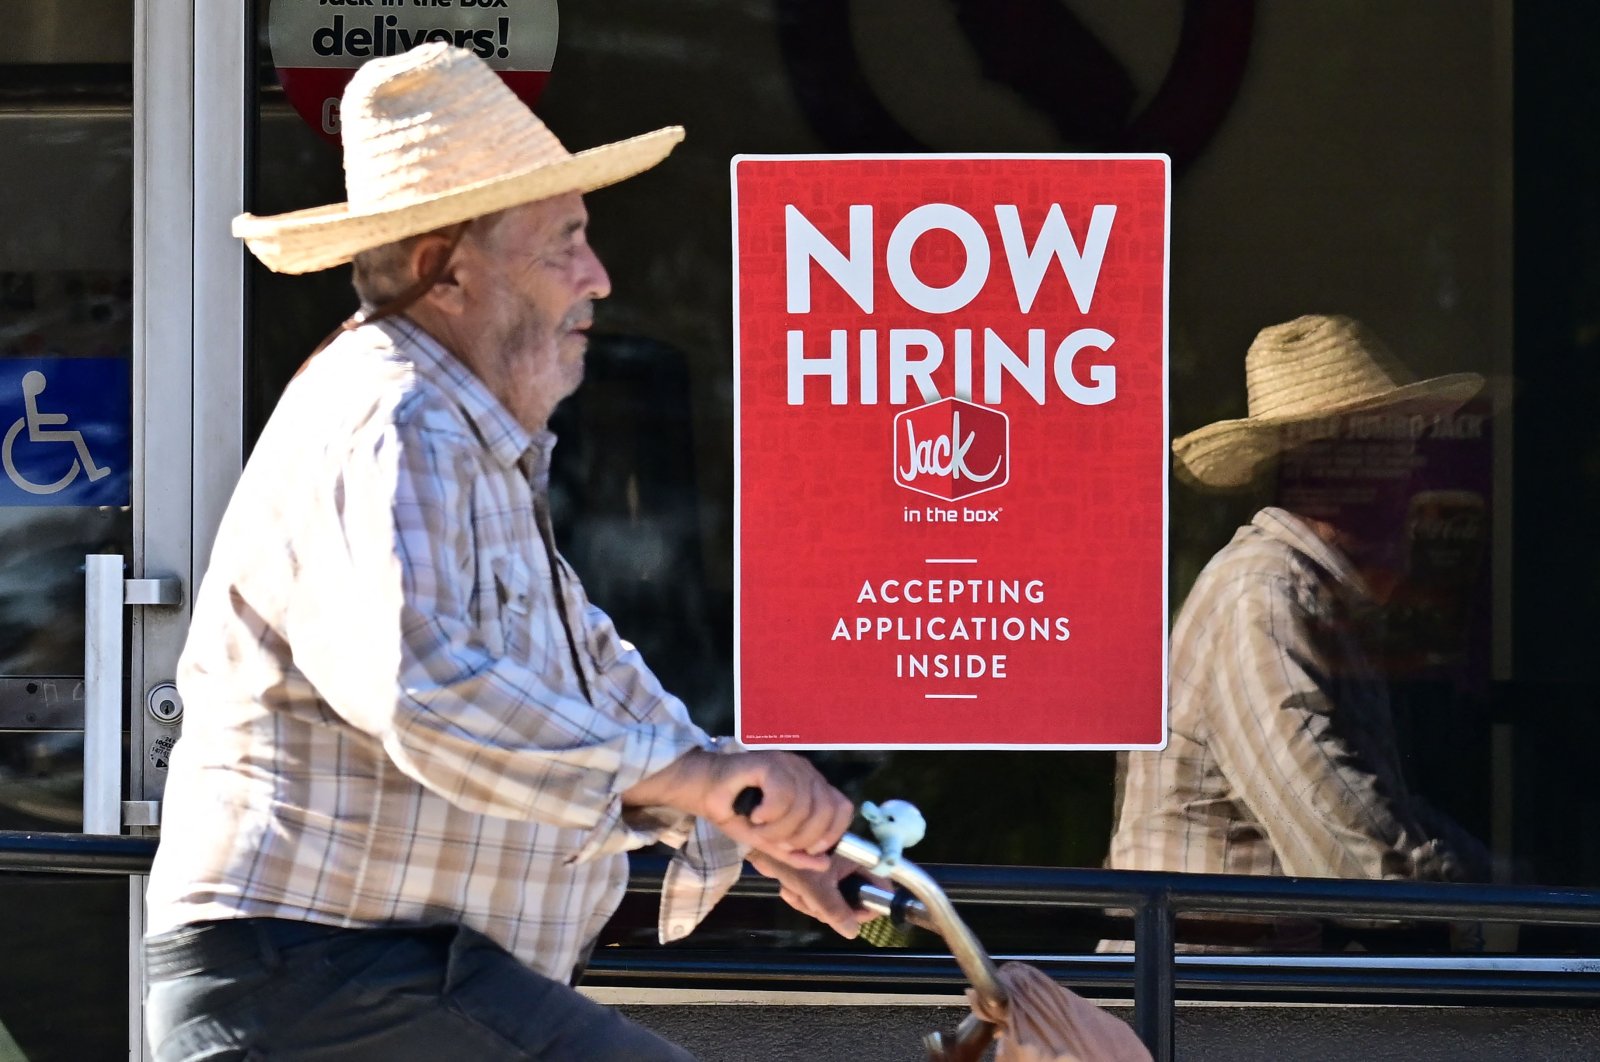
<point>1327,159</point>
<point>66,286</point>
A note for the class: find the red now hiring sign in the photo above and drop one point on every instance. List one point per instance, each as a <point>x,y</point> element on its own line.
<point>951,451</point>
<point>317,44</point>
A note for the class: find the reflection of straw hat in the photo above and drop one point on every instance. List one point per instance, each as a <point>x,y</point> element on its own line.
<point>1311,367</point>
<point>433,137</point>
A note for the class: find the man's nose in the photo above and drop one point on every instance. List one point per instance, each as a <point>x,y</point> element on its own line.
<point>596,282</point>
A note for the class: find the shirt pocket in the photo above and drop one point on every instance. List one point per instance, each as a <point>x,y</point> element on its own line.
<point>513,612</point>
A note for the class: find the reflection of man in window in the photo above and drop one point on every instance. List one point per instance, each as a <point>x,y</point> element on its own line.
<point>1282,757</point>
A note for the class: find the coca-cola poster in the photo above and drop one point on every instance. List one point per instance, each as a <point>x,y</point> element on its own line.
<point>317,44</point>
<point>951,450</point>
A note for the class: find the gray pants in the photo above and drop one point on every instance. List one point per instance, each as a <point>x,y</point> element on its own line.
<point>262,988</point>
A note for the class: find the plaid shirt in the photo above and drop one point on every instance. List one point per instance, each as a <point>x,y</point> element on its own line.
<point>1282,756</point>
<point>388,719</point>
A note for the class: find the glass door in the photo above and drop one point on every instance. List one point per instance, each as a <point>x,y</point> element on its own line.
<point>66,357</point>
<point>98,502</point>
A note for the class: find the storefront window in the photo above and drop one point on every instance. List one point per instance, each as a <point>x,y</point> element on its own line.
<point>1327,159</point>
<point>66,338</point>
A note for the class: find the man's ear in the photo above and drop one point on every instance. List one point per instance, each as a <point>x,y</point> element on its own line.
<point>428,256</point>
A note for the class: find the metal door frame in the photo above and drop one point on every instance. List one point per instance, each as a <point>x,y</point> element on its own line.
<point>189,108</point>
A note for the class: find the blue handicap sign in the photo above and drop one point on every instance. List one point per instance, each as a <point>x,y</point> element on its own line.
<point>67,427</point>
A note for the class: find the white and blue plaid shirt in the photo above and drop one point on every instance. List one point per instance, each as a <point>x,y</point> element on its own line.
<point>387,719</point>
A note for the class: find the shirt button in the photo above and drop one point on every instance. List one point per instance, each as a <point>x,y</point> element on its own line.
<point>678,929</point>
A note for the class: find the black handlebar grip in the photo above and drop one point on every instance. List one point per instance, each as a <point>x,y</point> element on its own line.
<point>850,889</point>
<point>747,801</point>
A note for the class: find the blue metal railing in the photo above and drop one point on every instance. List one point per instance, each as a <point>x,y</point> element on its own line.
<point>1156,974</point>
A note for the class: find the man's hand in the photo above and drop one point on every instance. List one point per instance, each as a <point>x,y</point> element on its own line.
<point>800,817</point>
<point>816,892</point>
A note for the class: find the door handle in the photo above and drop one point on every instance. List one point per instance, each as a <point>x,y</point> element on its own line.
<point>163,590</point>
<point>106,593</point>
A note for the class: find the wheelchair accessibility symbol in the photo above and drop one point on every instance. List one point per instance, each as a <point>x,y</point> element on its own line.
<point>65,431</point>
<point>33,385</point>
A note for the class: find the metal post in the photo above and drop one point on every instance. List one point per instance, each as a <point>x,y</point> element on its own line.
<point>1153,989</point>
<point>102,693</point>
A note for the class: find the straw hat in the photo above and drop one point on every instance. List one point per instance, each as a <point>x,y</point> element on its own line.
<point>433,137</point>
<point>1312,367</point>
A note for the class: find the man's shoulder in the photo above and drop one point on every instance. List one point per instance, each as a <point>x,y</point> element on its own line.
<point>364,384</point>
<point>1254,557</point>
<point>1254,568</point>
<point>1251,577</point>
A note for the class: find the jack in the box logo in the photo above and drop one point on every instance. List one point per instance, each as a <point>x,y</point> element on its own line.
<point>952,449</point>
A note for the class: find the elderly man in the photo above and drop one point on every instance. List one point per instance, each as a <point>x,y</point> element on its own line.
<point>1282,756</point>
<point>415,754</point>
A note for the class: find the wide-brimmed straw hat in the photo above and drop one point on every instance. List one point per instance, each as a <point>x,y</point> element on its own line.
<point>1312,367</point>
<point>433,137</point>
